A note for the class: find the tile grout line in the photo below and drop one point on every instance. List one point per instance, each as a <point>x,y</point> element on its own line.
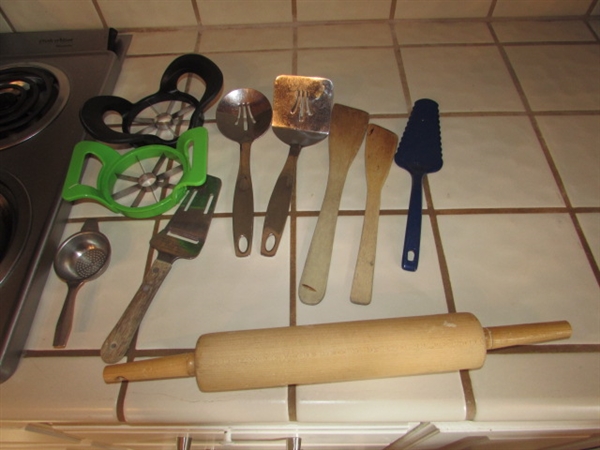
<point>292,408</point>
<point>120,405</point>
<point>548,156</point>
<point>100,14</point>
<point>465,378</point>
<point>437,237</point>
<point>351,22</point>
<point>393,7</point>
<point>468,395</point>
<point>401,70</point>
<point>591,8</point>
<point>132,351</point>
<point>490,14</point>
<point>196,9</point>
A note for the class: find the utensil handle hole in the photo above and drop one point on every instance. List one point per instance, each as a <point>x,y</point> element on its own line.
<point>242,244</point>
<point>270,242</point>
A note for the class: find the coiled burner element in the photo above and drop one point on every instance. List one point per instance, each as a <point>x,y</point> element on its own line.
<point>31,97</point>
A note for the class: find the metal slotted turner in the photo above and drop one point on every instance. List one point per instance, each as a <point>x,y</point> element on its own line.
<point>183,237</point>
<point>301,117</point>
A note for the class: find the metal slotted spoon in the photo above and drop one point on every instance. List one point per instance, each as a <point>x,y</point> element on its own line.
<point>242,116</point>
<point>82,257</point>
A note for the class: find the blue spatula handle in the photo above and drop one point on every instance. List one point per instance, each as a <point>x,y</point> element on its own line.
<point>412,236</point>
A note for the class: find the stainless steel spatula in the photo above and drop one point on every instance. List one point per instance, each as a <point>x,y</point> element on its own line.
<point>301,116</point>
<point>183,237</point>
<point>420,153</point>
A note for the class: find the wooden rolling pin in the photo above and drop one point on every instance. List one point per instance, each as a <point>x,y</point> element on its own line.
<point>337,352</point>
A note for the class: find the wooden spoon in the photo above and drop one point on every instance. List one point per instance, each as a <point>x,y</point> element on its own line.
<point>379,154</point>
<point>347,131</point>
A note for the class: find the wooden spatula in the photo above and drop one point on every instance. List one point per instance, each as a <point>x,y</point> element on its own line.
<point>379,153</point>
<point>347,132</point>
<point>420,153</point>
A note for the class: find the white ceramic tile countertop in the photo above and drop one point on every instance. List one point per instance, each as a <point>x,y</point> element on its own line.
<point>511,230</point>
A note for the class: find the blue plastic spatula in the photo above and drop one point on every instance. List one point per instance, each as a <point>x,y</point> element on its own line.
<point>420,153</point>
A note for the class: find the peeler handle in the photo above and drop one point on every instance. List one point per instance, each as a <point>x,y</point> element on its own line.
<point>119,340</point>
<point>412,235</point>
<point>73,189</point>
<point>92,118</point>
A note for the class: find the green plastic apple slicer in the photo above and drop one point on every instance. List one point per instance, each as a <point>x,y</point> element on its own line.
<point>141,183</point>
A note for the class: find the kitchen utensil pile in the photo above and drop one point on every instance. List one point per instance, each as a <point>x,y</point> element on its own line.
<point>167,166</point>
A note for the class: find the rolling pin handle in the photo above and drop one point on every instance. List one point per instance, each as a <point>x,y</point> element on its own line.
<point>530,333</point>
<point>184,443</point>
<point>294,443</point>
<point>176,366</point>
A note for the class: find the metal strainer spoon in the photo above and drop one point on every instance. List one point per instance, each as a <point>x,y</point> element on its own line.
<point>82,257</point>
<point>243,115</point>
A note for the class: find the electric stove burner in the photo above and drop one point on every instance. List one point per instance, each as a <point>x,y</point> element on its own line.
<point>45,78</point>
<point>31,96</point>
<point>15,222</point>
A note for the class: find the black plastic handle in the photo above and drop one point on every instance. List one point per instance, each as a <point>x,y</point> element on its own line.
<point>412,235</point>
<point>199,65</point>
<point>94,110</point>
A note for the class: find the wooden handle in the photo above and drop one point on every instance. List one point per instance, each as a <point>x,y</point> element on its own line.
<point>348,128</point>
<point>167,367</point>
<point>332,352</point>
<point>530,333</point>
<point>118,341</point>
<point>379,153</point>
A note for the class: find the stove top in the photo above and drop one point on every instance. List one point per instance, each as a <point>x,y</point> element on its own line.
<point>31,97</point>
<point>45,77</point>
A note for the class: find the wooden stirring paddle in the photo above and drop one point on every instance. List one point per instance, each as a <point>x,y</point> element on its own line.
<point>379,154</point>
<point>347,132</point>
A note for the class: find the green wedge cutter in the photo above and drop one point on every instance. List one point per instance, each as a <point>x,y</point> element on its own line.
<point>141,183</point>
